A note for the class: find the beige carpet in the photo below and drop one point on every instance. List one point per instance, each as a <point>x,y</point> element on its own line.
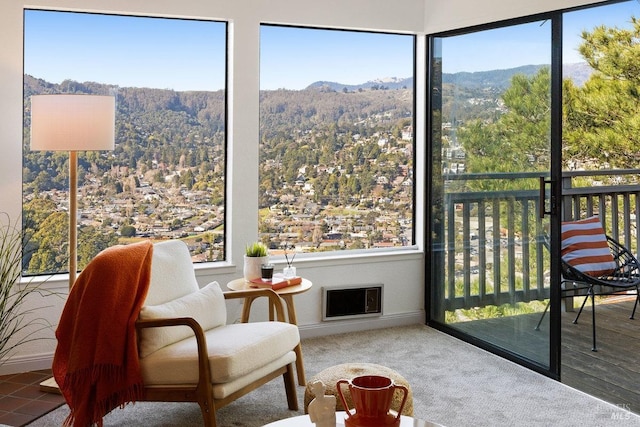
<point>453,383</point>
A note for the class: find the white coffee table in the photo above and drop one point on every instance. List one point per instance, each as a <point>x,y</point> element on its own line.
<point>304,421</point>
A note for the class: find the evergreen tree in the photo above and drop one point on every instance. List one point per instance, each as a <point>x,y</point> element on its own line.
<point>52,240</point>
<point>519,140</point>
<point>602,118</point>
<point>91,241</point>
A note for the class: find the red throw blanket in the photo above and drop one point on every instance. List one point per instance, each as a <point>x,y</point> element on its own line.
<point>96,359</point>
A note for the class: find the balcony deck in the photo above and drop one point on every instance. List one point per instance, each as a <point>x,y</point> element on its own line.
<point>612,373</point>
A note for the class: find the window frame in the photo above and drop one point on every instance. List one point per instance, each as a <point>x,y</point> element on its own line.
<point>414,169</point>
<point>224,257</point>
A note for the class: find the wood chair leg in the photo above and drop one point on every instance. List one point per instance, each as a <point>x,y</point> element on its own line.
<point>207,407</point>
<point>209,417</point>
<point>290,387</point>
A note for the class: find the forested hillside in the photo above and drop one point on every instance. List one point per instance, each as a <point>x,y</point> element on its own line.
<point>332,159</point>
<point>166,175</point>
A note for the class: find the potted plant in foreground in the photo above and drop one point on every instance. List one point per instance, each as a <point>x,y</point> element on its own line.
<point>18,325</point>
<point>255,255</point>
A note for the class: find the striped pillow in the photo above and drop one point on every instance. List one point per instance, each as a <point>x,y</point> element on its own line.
<point>584,246</point>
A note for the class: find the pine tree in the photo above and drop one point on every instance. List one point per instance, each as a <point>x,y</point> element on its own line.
<point>602,118</point>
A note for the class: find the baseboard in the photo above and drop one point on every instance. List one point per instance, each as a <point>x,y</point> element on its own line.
<point>366,323</point>
<point>32,362</point>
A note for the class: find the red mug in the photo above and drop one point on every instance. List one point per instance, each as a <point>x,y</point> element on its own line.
<point>372,396</point>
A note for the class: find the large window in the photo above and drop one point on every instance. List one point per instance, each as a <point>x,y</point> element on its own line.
<point>337,140</point>
<point>165,178</point>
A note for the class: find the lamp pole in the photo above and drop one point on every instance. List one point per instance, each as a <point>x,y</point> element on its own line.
<point>73,217</point>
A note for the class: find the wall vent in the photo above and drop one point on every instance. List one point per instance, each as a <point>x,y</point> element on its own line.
<point>346,302</point>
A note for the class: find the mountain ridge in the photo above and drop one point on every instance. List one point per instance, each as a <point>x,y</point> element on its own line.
<point>500,78</point>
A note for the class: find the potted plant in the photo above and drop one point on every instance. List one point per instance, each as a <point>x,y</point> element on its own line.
<point>17,324</point>
<point>255,254</point>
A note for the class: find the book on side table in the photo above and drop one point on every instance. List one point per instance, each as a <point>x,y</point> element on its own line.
<point>277,282</point>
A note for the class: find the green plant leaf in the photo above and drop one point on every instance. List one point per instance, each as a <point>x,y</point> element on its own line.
<point>256,249</point>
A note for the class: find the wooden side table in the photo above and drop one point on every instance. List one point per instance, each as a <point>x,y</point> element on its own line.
<point>287,296</point>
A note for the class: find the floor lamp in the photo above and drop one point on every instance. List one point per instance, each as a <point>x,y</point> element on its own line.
<point>72,123</point>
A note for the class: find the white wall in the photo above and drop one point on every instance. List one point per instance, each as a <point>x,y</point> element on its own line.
<point>402,272</point>
<point>443,15</point>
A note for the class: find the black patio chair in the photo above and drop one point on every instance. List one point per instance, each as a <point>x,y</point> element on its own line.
<point>624,278</point>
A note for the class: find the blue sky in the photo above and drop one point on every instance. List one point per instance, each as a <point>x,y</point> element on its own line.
<point>127,51</point>
<point>530,43</point>
<point>293,58</point>
<point>189,55</point>
<point>615,15</point>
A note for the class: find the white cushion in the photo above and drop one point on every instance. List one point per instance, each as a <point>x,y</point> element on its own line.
<point>220,391</point>
<point>172,273</point>
<point>585,247</point>
<point>206,306</point>
<point>234,351</point>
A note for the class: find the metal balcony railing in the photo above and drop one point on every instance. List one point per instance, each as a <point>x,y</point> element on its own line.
<point>493,253</point>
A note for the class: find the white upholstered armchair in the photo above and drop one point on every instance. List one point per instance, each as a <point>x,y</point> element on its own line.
<point>188,353</point>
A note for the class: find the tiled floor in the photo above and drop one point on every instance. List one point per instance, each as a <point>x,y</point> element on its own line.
<point>21,400</point>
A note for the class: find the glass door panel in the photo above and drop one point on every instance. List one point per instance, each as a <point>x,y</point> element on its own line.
<point>491,125</point>
<point>600,146</point>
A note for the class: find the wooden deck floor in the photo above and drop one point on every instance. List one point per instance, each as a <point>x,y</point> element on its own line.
<point>612,373</point>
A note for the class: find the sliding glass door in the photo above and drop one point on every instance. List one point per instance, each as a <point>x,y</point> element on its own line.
<point>490,166</point>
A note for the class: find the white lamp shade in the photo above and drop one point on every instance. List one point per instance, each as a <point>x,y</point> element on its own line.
<point>72,122</point>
